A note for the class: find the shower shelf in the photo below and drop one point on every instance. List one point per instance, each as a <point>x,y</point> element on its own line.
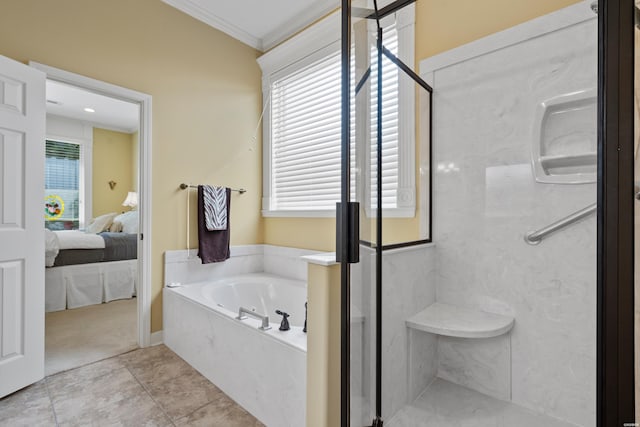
<point>452,321</point>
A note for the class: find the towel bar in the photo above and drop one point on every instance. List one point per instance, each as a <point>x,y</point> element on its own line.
<point>185,186</point>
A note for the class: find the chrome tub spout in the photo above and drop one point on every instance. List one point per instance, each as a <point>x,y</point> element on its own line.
<point>244,312</point>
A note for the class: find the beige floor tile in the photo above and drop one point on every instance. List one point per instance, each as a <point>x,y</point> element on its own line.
<point>85,373</point>
<point>107,393</point>
<point>182,395</point>
<point>148,353</point>
<point>223,412</point>
<point>28,407</point>
<point>155,365</point>
<point>137,411</point>
<point>83,399</point>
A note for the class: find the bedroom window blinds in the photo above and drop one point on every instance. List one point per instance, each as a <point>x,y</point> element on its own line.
<point>62,183</point>
<point>305,134</point>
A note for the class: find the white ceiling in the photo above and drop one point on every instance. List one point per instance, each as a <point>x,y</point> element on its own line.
<point>110,113</point>
<point>261,24</point>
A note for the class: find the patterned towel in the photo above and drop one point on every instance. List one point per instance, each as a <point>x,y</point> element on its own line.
<point>215,207</point>
<point>213,246</point>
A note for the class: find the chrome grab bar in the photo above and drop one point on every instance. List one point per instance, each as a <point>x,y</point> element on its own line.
<point>245,311</point>
<point>535,237</point>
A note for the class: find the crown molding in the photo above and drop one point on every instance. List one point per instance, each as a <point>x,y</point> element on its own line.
<point>197,12</point>
<point>298,23</point>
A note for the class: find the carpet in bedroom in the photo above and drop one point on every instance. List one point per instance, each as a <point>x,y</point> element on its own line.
<point>85,335</point>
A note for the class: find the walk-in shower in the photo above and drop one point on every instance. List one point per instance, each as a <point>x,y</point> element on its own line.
<point>470,288</point>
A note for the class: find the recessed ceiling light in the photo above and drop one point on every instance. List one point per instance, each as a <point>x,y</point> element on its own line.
<point>89,110</point>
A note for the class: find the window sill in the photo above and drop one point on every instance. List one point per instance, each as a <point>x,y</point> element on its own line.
<point>299,214</point>
<point>407,212</point>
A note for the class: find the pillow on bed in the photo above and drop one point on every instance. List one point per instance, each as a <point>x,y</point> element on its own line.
<point>101,223</point>
<point>129,221</point>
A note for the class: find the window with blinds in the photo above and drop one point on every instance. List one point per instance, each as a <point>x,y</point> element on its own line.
<point>305,134</point>
<point>62,185</point>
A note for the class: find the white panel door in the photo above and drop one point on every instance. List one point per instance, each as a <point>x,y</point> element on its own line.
<point>22,126</point>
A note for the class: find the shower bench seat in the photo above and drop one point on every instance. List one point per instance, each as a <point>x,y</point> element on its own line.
<point>450,320</point>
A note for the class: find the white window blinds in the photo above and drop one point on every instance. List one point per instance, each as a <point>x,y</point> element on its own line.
<point>305,134</point>
<point>62,182</point>
<point>305,111</point>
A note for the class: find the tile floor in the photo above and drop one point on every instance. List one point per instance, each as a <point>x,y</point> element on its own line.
<point>145,387</point>
<point>444,404</point>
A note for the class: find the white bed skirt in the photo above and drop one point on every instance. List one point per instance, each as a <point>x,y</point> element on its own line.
<point>73,286</point>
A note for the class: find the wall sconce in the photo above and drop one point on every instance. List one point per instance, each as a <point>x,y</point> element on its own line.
<point>112,184</point>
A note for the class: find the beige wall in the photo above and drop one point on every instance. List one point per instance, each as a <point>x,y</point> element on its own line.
<point>443,25</point>
<point>440,26</point>
<point>206,98</point>
<point>111,162</point>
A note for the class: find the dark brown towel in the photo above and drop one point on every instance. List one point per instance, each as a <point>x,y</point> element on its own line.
<point>213,246</point>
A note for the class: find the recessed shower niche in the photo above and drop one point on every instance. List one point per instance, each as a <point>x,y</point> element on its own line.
<point>564,139</point>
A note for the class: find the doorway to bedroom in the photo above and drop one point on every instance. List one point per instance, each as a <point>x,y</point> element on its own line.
<point>92,223</point>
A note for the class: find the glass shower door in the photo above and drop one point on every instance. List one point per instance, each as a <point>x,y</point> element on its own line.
<point>389,181</point>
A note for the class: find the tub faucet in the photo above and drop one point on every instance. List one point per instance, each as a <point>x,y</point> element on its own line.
<point>305,318</point>
<point>244,312</point>
<point>284,325</point>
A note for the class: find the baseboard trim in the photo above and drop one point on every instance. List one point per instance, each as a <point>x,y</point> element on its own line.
<point>156,338</point>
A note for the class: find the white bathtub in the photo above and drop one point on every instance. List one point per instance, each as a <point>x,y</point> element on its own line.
<point>261,292</point>
<point>264,371</point>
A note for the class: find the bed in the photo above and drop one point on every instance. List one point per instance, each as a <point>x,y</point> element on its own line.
<point>92,266</point>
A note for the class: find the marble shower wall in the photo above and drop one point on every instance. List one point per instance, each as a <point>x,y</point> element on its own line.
<point>409,359</point>
<point>486,199</point>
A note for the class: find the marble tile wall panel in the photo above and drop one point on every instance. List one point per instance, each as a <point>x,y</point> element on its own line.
<point>265,376</point>
<point>482,364</point>
<point>486,199</point>
<point>185,267</point>
<point>286,261</point>
<point>408,277</point>
<point>422,361</point>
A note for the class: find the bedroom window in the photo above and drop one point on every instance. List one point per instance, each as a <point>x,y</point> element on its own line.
<point>303,121</point>
<point>62,185</point>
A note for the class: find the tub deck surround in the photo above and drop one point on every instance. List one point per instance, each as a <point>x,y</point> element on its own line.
<point>184,266</point>
<point>253,291</point>
<point>325,259</point>
<point>264,371</point>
